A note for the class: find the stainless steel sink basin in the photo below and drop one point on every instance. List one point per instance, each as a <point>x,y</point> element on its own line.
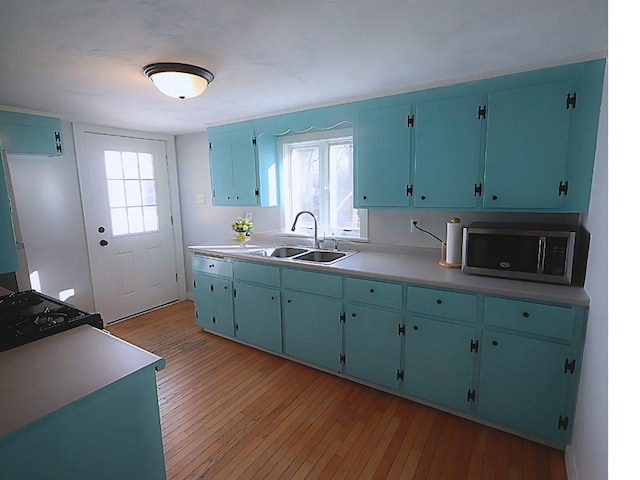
<point>281,252</point>
<point>322,256</point>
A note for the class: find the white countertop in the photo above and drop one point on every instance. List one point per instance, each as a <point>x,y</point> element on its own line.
<point>418,268</point>
<point>4,291</point>
<point>41,377</point>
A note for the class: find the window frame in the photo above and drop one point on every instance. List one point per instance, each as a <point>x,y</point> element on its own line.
<point>325,138</point>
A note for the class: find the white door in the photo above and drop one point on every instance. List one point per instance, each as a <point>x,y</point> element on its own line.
<point>129,225</point>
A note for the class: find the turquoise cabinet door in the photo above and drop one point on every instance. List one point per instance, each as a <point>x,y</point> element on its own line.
<point>372,345</point>
<point>448,153</point>
<point>223,306</point>
<point>245,177</point>
<point>28,134</point>
<point>221,168</point>
<point>233,168</point>
<point>382,158</point>
<point>8,255</point>
<point>312,329</point>
<point>203,300</point>
<point>257,316</point>
<point>523,384</point>
<point>439,362</point>
<point>526,153</point>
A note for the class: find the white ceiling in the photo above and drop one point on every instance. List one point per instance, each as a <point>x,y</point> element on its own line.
<point>82,59</point>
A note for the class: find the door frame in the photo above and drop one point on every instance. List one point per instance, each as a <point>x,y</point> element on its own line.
<point>79,129</point>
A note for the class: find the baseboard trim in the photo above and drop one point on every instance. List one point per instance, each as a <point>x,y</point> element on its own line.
<point>570,463</point>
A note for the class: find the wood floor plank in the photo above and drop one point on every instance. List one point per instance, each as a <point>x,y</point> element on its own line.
<point>229,411</point>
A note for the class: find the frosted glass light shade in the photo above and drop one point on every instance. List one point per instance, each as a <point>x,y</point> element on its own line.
<point>178,80</point>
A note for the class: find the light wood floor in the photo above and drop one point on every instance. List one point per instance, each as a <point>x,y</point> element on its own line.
<point>232,412</point>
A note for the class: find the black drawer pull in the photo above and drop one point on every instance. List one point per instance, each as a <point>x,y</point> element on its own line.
<point>525,314</point>
<point>371,290</point>
<point>415,327</point>
<point>353,315</point>
<point>288,301</point>
<point>439,302</point>
<point>494,343</point>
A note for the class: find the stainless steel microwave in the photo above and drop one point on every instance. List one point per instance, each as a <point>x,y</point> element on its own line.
<point>535,252</point>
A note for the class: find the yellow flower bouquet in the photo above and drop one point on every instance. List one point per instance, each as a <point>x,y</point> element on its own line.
<point>243,228</point>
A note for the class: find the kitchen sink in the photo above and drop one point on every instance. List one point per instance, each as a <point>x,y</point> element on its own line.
<point>321,256</point>
<point>281,252</point>
<point>302,254</point>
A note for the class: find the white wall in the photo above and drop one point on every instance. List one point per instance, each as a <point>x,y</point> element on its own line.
<point>47,200</point>
<point>587,457</point>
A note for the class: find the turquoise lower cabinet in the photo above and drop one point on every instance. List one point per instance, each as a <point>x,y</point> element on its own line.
<point>213,299</point>
<point>8,255</point>
<point>373,345</point>
<point>523,384</point>
<point>313,329</point>
<point>257,316</point>
<point>439,359</point>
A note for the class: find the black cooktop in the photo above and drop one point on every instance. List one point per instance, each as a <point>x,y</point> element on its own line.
<point>29,315</point>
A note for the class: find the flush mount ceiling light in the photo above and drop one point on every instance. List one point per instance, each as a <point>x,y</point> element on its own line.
<point>178,80</point>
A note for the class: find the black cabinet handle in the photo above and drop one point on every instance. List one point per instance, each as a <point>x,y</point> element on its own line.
<point>415,327</point>
<point>364,197</point>
<point>439,302</point>
<point>423,197</point>
<point>288,301</point>
<point>353,315</point>
<point>273,298</point>
<point>494,343</point>
<point>525,314</point>
<point>371,290</point>
<point>494,197</point>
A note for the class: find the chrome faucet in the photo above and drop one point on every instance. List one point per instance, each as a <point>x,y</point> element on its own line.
<point>316,243</point>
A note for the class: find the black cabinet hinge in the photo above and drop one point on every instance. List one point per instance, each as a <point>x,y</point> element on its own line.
<point>402,330</point>
<point>482,112</point>
<point>571,100</point>
<point>194,284</point>
<point>400,374</point>
<point>235,293</point>
<point>253,140</point>
<point>569,365</point>
<point>58,140</point>
<point>563,188</point>
<point>411,120</point>
<point>563,422</point>
<point>211,287</point>
<point>471,395</point>
<point>213,319</point>
<point>409,190</point>
<point>256,192</point>
<point>477,189</point>
<point>210,146</point>
<point>343,358</point>
<point>473,346</point>
<point>196,313</point>
<point>343,317</point>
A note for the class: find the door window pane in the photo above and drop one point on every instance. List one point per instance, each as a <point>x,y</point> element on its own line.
<point>116,193</point>
<point>130,185</point>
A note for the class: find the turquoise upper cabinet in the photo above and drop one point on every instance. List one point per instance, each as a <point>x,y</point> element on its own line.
<point>382,148</point>
<point>243,168</point>
<point>527,139</point>
<point>8,255</point>
<point>449,152</point>
<point>26,134</point>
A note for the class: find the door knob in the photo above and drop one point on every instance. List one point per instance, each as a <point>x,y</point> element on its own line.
<point>103,243</point>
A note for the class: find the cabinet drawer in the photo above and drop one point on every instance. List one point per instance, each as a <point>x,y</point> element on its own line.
<point>257,273</point>
<point>374,292</point>
<point>212,266</point>
<point>549,320</point>
<point>442,303</point>
<point>311,282</point>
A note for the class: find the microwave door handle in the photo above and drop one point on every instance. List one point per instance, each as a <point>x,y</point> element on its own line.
<point>542,243</point>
